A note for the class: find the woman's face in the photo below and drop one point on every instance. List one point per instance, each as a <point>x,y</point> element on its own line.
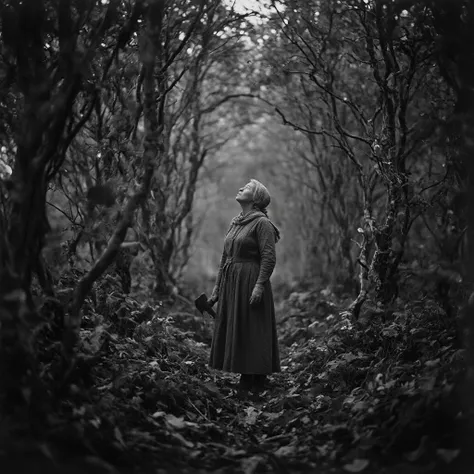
<point>245,193</point>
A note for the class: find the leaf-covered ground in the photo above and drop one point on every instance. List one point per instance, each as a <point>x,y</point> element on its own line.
<point>379,396</point>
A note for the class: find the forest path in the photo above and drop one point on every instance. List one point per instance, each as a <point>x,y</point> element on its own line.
<point>285,431</point>
<point>300,425</point>
<point>288,429</point>
<point>153,405</point>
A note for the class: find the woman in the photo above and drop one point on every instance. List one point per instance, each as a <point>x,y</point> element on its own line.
<point>245,338</point>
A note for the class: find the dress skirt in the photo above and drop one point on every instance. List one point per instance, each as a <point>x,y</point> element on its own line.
<point>245,337</point>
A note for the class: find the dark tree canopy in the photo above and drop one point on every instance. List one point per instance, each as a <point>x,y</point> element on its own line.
<point>126,126</point>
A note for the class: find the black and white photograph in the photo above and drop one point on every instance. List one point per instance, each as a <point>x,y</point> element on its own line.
<point>236,236</point>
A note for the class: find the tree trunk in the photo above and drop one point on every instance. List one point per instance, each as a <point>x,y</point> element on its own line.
<point>163,254</point>
<point>345,243</point>
<point>152,154</point>
<point>363,260</point>
<point>42,121</point>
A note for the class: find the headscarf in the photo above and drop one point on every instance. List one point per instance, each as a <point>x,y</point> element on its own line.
<point>261,199</point>
<point>261,196</point>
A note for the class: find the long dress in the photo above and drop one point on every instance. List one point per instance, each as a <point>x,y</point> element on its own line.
<point>245,337</point>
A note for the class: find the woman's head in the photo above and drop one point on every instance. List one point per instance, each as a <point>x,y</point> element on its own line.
<point>261,196</point>
<point>255,193</point>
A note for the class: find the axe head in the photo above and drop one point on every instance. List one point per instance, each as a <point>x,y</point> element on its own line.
<point>202,305</point>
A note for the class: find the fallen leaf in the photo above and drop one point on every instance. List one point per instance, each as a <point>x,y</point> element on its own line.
<point>323,450</point>
<point>357,465</point>
<point>212,387</point>
<point>293,391</point>
<point>306,419</point>
<point>234,452</point>
<point>44,448</point>
<point>182,440</point>
<point>348,357</point>
<point>119,437</point>
<point>178,423</point>
<point>250,465</point>
<point>96,423</point>
<point>272,416</point>
<point>414,456</point>
<point>432,363</point>
<point>359,406</point>
<point>448,455</point>
<point>348,400</point>
<point>252,414</point>
<point>285,450</point>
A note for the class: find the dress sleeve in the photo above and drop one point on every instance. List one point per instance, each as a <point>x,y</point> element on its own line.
<point>219,274</point>
<point>215,291</point>
<point>266,246</point>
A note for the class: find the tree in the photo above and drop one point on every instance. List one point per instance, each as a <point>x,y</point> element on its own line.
<point>152,156</point>
<point>49,49</point>
<point>76,125</point>
<point>373,113</point>
<point>193,132</point>
<point>453,32</point>
<point>190,112</point>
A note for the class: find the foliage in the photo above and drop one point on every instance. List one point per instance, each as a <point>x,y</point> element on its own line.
<point>358,393</point>
<point>125,126</point>
<point>387,380</point>
<point>357,73</point>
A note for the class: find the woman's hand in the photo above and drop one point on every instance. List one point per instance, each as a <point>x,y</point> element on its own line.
<point>212,301</point>
<point>214,297</point>
<point>257,295</point>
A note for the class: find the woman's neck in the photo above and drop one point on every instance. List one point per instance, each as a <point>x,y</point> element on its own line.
<point>246,208</point>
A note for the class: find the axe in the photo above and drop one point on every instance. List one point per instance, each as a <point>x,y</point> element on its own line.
<point>202,305</point>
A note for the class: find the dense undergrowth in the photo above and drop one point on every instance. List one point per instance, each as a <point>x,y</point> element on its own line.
<point>353,395</point>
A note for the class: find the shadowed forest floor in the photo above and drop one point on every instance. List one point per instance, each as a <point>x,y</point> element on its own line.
<point>372,398</point>
<point>127,126</point>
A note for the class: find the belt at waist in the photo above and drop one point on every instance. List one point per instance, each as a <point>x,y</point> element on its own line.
<point>231,260</point>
